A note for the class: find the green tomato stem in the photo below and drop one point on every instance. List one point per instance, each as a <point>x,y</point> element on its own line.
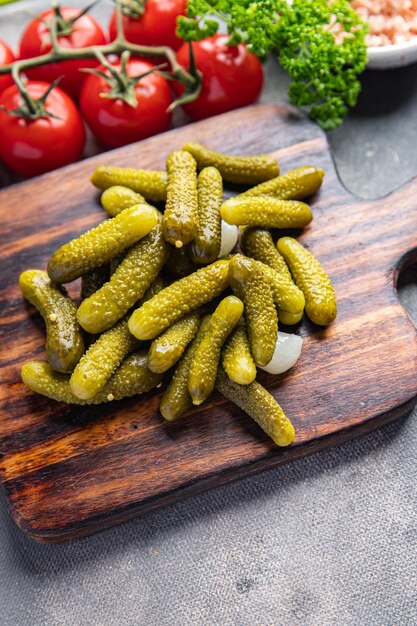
<point>190,80</point>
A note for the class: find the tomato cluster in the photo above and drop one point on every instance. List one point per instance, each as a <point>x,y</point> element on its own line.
<point>33,144</point>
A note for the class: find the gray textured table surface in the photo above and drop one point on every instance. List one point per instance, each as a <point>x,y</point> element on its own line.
<point>325,541</point>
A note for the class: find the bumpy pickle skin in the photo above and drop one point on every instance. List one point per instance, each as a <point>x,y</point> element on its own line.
<point>127,284</point>
<point>266,212</point>
<point>180,220</point>
<point>251,285</point>
<point>100,244</point>
<point>205,247</point>
<point>258,244</point>
<point>311,278</point>
<point>117,198</point>
<point>157,286</point>
<point>178,299</point>
<point>260,405</point>
<point>294,185</point>
<point>94,280</point>
<point>150,184</point>
<point>177,400</point>
<point>131,378</point>
<point>249,170</point>
<point>64,340</point>
<point>101,360</point>
<point>168,348</point>
<point>285,299</point>
<point>237,359</point>
<point>205,362</point>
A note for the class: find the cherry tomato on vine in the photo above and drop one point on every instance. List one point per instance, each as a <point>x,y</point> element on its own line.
<point>34,146</point>
<point>115,122</point>
<point>232,76</point>
<point>6,57</point>
<point>74,31</point>
<point>155,27</point>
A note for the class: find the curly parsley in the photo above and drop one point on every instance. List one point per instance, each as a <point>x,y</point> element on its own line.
<point>320,43</point>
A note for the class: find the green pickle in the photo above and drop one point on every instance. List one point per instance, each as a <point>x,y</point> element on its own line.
<point>94,280</point>
<point>101,359</point>
<point>251,285</point>
<point>178,299</point>
<point>168,348</point>
<point>64,340</point>
<point>117,198</point>
<point>127,284</point>
<point>150,184</point>
<point>180,220</point>
<point>311,278</point>
<point>260,405</point>
<point>100,244</point>
<point>177,400</point>
<point>105,355</point>
<point>205,247</point>
<point>294,185</point>
<point>290,319</point>
<point>237,359</point>
<point>258,244</point>
<point>205,362</point>
<point>249,170</point>
<point>266,212</point>
<point>131,378</point>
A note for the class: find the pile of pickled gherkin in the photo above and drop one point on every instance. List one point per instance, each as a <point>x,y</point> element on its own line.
<point>195,287</point>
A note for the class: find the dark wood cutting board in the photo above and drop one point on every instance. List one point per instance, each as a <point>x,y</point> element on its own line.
<point>69,471</point>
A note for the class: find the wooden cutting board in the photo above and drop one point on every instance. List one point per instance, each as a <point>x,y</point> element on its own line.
<point>70,471</point>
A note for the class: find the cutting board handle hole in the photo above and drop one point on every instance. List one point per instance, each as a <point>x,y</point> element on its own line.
<point>407,285</point>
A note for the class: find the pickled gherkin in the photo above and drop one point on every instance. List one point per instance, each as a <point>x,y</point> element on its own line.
<point>251,285</point>
<point>206,245</point>
<point>260,405</point>
<point>176,400</point>
<point>169,347</point>
<point>127,284</point>
<point>266,212</point>
<point>178,299</point>
<point>101,359</point>
<point>237,359</point>
<point>258,244</point>
<point>131,378</point>
<point>290,319</point>
<point>311,278</point>
<point>248,170</point>
<point>117,198</point>
<point>148,183</point>
<point>285,299</point>
<point>180,220</point>
<point>64,340</point>
<point>294,185</point>
<point>100,244</point>
<point>205,362</point>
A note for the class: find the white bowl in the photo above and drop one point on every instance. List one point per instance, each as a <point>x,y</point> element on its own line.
<point>397,55</point>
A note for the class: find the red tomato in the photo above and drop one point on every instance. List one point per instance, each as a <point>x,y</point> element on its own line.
<point>232,76</point>
<point>36,40</point>
<point>31,147</point>
<point>116,123</point>
<point>6,57</point>
<point>157,25</point>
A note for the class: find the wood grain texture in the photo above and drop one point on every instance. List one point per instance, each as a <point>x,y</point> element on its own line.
<point>69,471</point>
